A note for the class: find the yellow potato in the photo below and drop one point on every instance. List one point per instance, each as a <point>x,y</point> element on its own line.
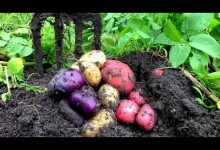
<point>109,96</point>
<point>95,56</point>
<point>103,119</point>
<point>75,65</point>
<point>91,73</point>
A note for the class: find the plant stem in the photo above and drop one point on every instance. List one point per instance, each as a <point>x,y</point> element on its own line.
<point>7,82</point>
<point>29,63</point>
<point>199,85</point>
<point>4,63</point>
<point>165,68</point>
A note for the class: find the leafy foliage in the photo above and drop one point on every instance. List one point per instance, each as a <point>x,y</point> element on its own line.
<point>189,40</point>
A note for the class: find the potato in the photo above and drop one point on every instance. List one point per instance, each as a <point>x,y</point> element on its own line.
<point>84,103</point>
<point>65,81</point>
<point>146,117</point>
<point>88,89</point>
<point>137,96</point>
<point>127,111</point>
<point>103,119</point>
<point>91,73</point>
<point>158,72</point>
<point>70,113</point>
<point>95,56</point>
<point>119,75</point>
<point>109,96</point>
<point>75,65</point>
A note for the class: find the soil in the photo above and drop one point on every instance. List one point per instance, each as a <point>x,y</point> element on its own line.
<point>29,114</point>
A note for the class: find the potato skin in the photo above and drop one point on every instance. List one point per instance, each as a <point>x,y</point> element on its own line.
<point>51,85</point>
<point>158,72</point>
<point>88,89</point>
<point>84,103</point>
<point>103,119</point>
<point>75,65</point>
<point>127,111</point>
<point>91,73</point>
<point>97,57</point>
<point>109,96</point>
<point>65,81</point>
<point>119,75</point>
<point>137,97</point>
<point>69,113</point>
<point>146,117</point>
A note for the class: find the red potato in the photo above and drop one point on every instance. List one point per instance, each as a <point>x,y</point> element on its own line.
<point>146,117</point>
<point>158,72</point>
<point>110,62</point>
<point>119,75</point>
<point>127,111</point>
<point>137,97</point>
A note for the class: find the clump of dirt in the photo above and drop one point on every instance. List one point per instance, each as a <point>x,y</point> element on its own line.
<point>172,97</point>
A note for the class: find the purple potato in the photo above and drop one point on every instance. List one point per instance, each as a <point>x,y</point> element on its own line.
<point>70,114</point>
<point>65,82</point>
<point>88,89</point>
<point>51,85</point>
<point>86,104</point>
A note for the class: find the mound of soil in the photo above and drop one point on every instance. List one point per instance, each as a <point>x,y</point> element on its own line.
<point>178,114</point>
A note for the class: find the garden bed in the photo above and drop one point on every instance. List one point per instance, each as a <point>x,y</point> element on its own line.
<point>178,113</point>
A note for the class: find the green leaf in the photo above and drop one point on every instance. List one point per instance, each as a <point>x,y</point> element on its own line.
<point>215,33</point>
<point>109,15</point>
<point>26,51</point>
<point>126,30</point>
<point>15,49</point>
<point>196,22</point>
<point>213,75</point>
<point>214,23</point>
<point>214,86</point>
<point>6,96</point>
<point>171,32</point>
<point>2,43</point>
<point>178,54</point>
<point>216,64</point>
<point>202,57</point>
<point>15,65</point>
<point>197,66</point>
<point>134,22</point>
<point>107,39</point>
<point>124,39</point>
<point>198,90</point>
<point>22,31</point>
<point>5,36</point>
<point>162,39</point>
<point>142,34</point>
<point>20,40</point>
<point>109,25</point>
<point>203,104</point>
<point>205,43</point>
<point>2,73</point>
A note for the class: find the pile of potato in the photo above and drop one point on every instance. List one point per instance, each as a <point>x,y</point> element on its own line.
<point>96,110</point>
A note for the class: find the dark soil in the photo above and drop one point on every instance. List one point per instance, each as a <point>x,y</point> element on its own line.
<point>172,97</point>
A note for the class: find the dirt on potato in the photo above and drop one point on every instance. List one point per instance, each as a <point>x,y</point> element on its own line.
<point>171,96</point>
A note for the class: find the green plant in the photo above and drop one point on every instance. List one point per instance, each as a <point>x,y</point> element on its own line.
<point>15,50</point>
<point>127,32</point>
<point>191,44</point>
